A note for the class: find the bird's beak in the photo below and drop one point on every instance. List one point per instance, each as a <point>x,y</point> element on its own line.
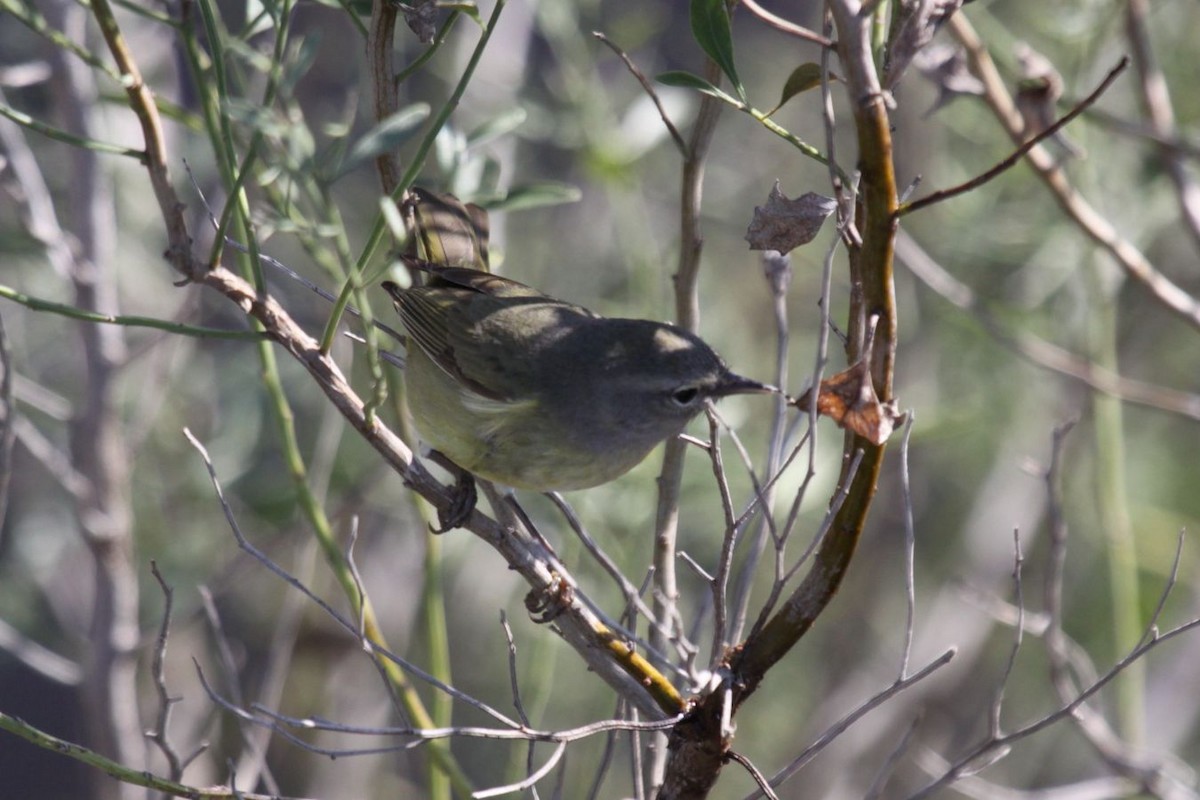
<point>736,384</point>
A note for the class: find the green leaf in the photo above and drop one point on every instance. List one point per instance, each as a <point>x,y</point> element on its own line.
<point>687,80</point>
<point>711,28</point>
<point>503,123</point>
<point>388,135</point>
<point>533,195</point>
<point>804,77</point>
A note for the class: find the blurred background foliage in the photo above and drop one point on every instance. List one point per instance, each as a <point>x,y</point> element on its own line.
<point>552,109</point>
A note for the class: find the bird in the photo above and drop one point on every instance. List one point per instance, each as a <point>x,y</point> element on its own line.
<point>525,390</point>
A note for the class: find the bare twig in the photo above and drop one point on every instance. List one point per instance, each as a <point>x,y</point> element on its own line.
<point>780,24</point>
<point>989,748</point>
<point>885,770</point>
<point>648,87</point>
<point>1018,637</point>
<point>1125,759</point>
<point>910,547</point>
<point>8,412</point>
<point>763,785</point>
<point>843,724</point>
<point>1156,99</point>
<point>513,731</point>
<point>1089,221</point>
<point>175,764</point>
<point>1020,152</point>
<point>515,686</point>
<point>687,315</point>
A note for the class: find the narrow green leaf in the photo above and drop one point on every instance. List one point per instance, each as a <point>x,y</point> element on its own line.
<point>804,77</point>
<point>499,125</point>
<point>534,195</point>
<point>711,28</point>
<point>687,80</point>
<point>386,136</point>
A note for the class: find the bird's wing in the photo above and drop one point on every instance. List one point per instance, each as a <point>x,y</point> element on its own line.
<point>481,329</point>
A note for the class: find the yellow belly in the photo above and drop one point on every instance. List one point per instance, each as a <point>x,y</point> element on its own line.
<point>509,442</point>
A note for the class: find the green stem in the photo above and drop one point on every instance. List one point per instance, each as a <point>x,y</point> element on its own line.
<point>50,132</point>
<point>30,18</point>
<point>353,281</point>
<point>126,775</point>
<point>1113,507</point>
<point>38,304</point>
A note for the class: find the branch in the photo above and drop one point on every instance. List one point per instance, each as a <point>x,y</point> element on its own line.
<point>1131,260</point>
<point>1020,152</point>
<point>1037,350</point>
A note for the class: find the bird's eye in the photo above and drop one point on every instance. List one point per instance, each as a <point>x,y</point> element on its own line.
<point>684,396</point>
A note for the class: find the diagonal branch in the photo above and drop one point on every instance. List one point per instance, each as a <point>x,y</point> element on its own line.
<point>1131,260</point>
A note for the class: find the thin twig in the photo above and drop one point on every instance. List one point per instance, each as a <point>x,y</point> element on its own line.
<point>910,547</point>
<point>786,26</point>
<point>648,87</point>
<point>1020,152</point>
<point>515,687</point>
<point>843,724</point>
<point>347,624</point>
<point>986,750</point>
<point>158,735</point>
<point>1132,261</point>
<point>1018,637</point>
<point>763,785</point>
<point>885,770</point>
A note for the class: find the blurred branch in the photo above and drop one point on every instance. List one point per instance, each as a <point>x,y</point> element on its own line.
<point>1039,351</point>
<point>1138,130</point>
<point>1147,770</point>
<point>99,450</point>
<point>1156,99</point>
<point>30,17</point>
<point>43,661</point>
<point>1131,260</point>
<point>8,418</point>
<point>126,776</point>
<point>1011,160</point>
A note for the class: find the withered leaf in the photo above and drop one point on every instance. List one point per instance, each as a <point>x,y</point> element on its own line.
<point>1038,93</point>
<point>945,66</point>
<point>848,398</point>
<point>919,21</point>
<point>784,224</point>
<point>420,16</point>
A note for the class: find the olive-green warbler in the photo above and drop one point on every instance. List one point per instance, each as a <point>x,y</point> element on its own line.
<point>537,393</point>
